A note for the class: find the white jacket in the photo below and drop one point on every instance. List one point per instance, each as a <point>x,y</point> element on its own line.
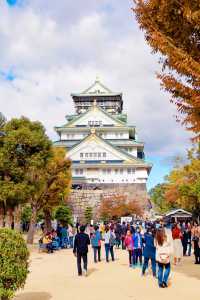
<point>164,252</point>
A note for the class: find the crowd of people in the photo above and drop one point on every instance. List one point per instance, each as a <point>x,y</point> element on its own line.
<point>60,238</point>
<point>145,242</point>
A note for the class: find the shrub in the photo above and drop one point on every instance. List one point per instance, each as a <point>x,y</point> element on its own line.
<point>88,214</point>
<point>13,262</point>
<point>63,214</point>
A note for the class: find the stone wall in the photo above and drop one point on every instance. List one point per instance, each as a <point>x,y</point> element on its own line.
<point>91,195</point>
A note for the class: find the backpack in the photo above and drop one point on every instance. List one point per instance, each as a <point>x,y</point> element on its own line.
<point>112,239</point>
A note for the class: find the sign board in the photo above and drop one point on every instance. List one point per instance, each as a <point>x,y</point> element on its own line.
<point>126,219</point>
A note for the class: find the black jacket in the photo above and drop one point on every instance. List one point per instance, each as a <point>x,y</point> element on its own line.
<point>81,243</point>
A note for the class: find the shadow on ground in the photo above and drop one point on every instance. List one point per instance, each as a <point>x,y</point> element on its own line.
<point>33,296</point>
<point>91,270</point>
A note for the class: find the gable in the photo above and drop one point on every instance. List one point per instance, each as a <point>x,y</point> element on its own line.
<point>94,148</point>
<point>95,117</point>
<point>97,88</point>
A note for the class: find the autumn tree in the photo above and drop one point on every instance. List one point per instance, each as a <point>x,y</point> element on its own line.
<point>172,29</point>
<point>183,185</point>
<point>157,196</point>
<point>117,205</point>
<point>50,187</point>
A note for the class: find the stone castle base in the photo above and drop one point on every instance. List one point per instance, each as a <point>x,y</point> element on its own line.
<point>91,195</point>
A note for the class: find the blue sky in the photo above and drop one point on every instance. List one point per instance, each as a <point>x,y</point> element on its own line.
<point>54,48</point>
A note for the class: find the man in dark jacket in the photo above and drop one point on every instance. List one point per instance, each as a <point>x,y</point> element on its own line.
<point>80,250</point>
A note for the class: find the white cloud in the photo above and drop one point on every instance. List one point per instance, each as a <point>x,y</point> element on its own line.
<point>54,53</point>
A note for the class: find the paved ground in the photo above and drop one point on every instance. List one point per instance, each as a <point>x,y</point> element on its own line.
<point>54,277</point>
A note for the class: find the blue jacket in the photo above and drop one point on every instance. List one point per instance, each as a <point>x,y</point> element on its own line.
<point>137,240</point>
<point>149,248</point>
<point>96,238</point>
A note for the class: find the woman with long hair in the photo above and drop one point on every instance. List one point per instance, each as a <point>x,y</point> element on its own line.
<point>163,253</point>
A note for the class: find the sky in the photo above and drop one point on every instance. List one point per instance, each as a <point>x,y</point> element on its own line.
<point>49,49</point>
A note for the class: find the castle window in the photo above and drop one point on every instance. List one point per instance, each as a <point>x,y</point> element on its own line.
<point>104,154</point>
<point>81,155</point>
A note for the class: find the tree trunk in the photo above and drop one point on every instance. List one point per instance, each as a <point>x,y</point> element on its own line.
<point>8,218</point>
<point>47,220</point>
<point>17,217</point>
<point>31,231</point>
<point>4,298</point>
<point>2,213</point>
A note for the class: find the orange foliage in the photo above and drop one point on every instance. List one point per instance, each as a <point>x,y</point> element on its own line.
<point>116,206</point>
<point>172,29</point>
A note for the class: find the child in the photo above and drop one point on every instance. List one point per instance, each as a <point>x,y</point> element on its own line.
<point>129,246</point>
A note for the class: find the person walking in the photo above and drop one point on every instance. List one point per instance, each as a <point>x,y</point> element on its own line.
<point>96,243</point>
<point>196,242</point>
<point>123,234</point>
<point>149,251</point>
<point>163,253</point>
<point>80,250</point>
<point>137,247</point>
<point>112,243</point>
<point>128,242</point>
<point>71,235</point>
<point>177,243</point>
<point>106,238</point>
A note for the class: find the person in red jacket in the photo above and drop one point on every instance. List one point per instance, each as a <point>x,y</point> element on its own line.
<point>128,242</point>
<point>177,244</point>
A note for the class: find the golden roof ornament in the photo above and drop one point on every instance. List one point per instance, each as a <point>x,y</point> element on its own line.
<point>93,130</point>
<point>95,103</point>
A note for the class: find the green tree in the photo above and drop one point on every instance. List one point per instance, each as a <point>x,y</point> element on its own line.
<point>26,213</point>
<point>88,214</point>
<point>172,29</point>
<point>63,214</point>
<point>24,147</point>
<point>13,262</point>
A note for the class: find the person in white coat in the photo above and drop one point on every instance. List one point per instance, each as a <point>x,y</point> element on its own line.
<point>164,249</point>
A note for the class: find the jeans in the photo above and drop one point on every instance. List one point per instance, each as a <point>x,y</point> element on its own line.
<point>49,247</point>
<point>163,268</point>
<point>130,255</point>
<point>107,250</point>
<point>84,258</point>
<point>97,250</point>
<point>146,264</point>
<point>112,253</point>
<point>123,245</point>
<point>189,249</point>
<point>71,239</point>
<point>137,253</point>
<point>64,242</point>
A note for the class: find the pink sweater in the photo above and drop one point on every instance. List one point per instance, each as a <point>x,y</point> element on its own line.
<point>128,242</point>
